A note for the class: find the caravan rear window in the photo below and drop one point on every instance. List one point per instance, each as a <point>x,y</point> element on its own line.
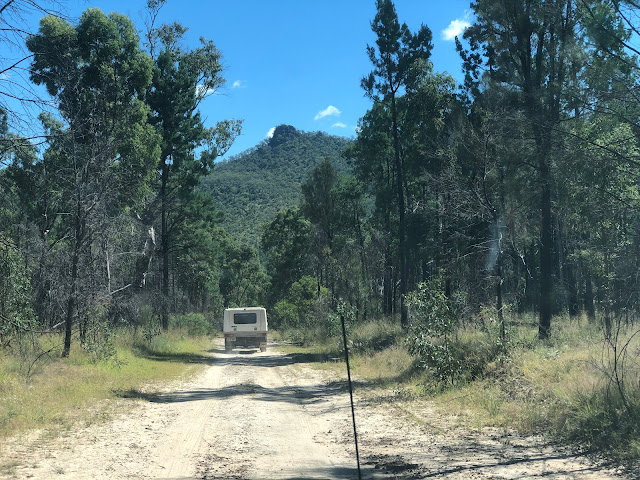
<point>244,318</point>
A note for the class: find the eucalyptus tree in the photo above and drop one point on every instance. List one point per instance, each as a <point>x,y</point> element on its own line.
<point>371,155</point>
<point>38,225</point>
<point>317,201</point>
<point>242,277</point>
<point>353,250</point>
<point>285,243</point>
<point>182,79</point>
<point>318,206</point>
<point>96,73</point>
<point>16,314</point>
<point>428,109</point>
<point>397,50</point>
<point>537,54</point>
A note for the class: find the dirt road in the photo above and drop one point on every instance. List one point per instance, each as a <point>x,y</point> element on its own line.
<point>262,416</point>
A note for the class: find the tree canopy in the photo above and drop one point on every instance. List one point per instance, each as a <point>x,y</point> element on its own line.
<point>517,188</point>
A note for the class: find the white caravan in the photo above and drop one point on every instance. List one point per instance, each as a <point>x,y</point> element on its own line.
<point>245,327</point>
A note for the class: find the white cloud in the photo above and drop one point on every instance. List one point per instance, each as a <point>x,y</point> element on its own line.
<point>270,132</point>
<point>239,84</point>
<point>339,125</point>
<point>455,28</point>
<point>329,111</point>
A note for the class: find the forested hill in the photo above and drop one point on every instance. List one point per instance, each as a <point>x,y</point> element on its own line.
<point>252,187</point>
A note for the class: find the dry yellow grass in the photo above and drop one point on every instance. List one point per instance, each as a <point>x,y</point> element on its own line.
<point>547,387</point>
<point>557,386</point>
<point>393,363</point>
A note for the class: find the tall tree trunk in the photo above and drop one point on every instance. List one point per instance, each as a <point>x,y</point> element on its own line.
<point>546,251</point>
<point>363,269</point>
<point>165,248</point>
<point>589,304</point>
<point>75,260</point>
<point>401,211</point>
<point>387,288</point>
<point>105,248</point>
<point>499,303</point>
<point>570,274</point>
<point>43,300</point>
<point>394,294</point>
<point>606,296</point>
<point>71,303</point>
<point>523,301</point>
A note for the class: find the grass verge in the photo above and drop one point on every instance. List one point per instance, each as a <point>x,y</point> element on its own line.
<point>55,393</point>
<point>565,387</point>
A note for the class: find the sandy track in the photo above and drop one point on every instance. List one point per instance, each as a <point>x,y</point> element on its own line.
<point>261,416</point>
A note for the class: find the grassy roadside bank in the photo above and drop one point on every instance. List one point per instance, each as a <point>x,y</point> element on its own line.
<point>51,393</point>
<point>565,387</point>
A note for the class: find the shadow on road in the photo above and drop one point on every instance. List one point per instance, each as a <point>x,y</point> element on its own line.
<point>244,358</point>
<point>251,358</point>
<point>143,351</point>
<point>330,473</point>
<point>479,467</point>
<point>290,394</point>
<point>239,357</point>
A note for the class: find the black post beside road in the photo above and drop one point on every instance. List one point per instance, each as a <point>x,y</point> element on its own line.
<point>353,412</point>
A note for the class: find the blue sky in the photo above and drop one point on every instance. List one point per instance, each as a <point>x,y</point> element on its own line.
<point>296,62</point>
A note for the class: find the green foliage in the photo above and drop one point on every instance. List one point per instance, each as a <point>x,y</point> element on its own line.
<point>212,268</point>
<point>304,314</point>
<point>149,322</point>
<point>102,77</point>
<point>108,46</point>
<point>303,292</point>
<point>318,204</point>
<point>99,345</point>
<point>302,306</point>
<point>444,359</point>
<point>181,80</point>
<point>403,143</point>
<point>435,320</point>
<point>195,324</point>
<point>242,279</point>
<point>285,242</point>
<point>373,336</point>
<point>397,51</point>
<point>500,336</point>
<point>102,153</point>
<point>284,315</point>
<point>16,315</point>
<point>196,246</point>
<point>434,314</point>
